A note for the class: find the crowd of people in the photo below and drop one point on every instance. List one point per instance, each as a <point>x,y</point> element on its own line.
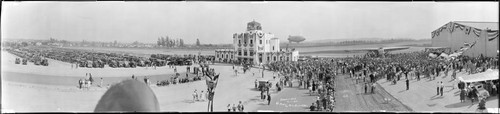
<point>234,108</point>
<point>318,75</point>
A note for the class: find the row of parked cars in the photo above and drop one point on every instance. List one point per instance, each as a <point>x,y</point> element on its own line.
<point>26,57</point>
<point>90,59</point>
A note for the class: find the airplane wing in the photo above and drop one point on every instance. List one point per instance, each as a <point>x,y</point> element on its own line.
<point>395,48</point>
<point>377,49</point>
<point>362,50</point>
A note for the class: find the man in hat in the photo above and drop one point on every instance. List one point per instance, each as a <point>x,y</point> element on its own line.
<point>128,95</point>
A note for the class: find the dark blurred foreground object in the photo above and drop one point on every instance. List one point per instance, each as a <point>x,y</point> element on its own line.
<point>128,95</point>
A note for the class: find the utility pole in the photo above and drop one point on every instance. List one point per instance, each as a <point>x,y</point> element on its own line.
<point>212,84</point>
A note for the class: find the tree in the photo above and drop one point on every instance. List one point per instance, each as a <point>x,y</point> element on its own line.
<point>162,42</point>
<point>197,42</point>
<point>167,42</point>
<point>181,43</point>
<point>158,42</point>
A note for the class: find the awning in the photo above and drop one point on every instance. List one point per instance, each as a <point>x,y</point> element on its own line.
<point>487,75</point>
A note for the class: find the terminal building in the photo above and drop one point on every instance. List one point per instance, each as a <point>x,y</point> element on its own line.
<point>455,35</point>
<point>255,47</point>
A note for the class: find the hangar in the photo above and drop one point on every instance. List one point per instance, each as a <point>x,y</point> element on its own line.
<point>457,34</point>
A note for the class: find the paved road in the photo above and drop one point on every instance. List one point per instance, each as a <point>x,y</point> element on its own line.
<point>351,97</point>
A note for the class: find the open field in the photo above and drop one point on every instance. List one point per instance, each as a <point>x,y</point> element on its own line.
<point>310,49</point>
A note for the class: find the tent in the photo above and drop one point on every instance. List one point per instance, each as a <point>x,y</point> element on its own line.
<point>487,75</point>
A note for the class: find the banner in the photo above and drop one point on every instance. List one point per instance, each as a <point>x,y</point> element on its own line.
<point>492,34</point>
<point>467,30</point>
<point>476,31</point>
<point>462,27</point>
<point>433,34</point>
<point>452,26</point>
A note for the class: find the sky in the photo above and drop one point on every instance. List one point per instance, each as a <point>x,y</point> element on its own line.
<point>216,22</point>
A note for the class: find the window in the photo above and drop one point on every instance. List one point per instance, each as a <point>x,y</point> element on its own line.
<point>239,41</point>
<point>239,52</point>
<point>251,41</point>
<point>274,59</point>
<point>260,41</point>
<point>245,54</point>
<point>268,59</point>
<point>273,48</point>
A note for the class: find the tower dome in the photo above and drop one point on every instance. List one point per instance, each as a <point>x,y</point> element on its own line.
<point>253,26</point>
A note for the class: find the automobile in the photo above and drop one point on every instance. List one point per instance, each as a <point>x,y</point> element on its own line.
<point>188,62</point>
<point>25,61</point>
<point>18,61</point>
<point>45,62</point>
<point>480,89</point>
<point>89,64</point>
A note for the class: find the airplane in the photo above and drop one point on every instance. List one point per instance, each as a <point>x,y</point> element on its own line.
<point>379,52</point>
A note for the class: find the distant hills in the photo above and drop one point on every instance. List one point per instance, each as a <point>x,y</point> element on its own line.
<point>349,42</point>
<point>350,39</point>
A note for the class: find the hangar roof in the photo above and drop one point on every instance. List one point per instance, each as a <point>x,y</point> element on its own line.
<point>480,25</point>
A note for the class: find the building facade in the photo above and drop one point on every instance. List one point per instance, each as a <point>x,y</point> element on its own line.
<point>255,47</point>
<point>455,34</point>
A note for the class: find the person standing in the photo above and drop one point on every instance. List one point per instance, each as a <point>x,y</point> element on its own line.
<point>268,99</point>
<point>482,104</point>
<point>437,88</point>
<point>462,95</point>
<point>256,83</point>
<point>407,84</point>
<point>366,87</point>
<point>201,96</point>
<point>240,107</point>
<point>195,95</point>
<point>473,94</point>
<point>80,83</point>
<point>229,107</point>
<point>373,88</point>
<point>234,107</point>
<point>441,89</point>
